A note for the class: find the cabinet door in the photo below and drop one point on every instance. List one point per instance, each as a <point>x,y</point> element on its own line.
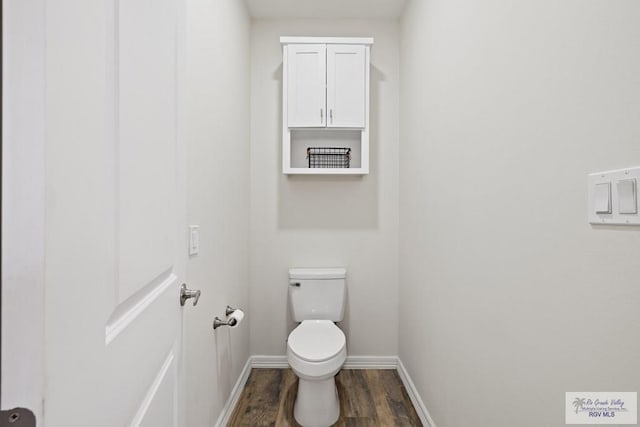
<point>306,85</point>
<point>346,85</point>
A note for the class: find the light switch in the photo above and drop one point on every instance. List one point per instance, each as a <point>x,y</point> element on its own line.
<point>602,198</point>
<point>627,196</point>
<point>194,239</point>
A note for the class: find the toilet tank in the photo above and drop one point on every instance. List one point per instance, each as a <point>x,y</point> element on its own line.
<point>317,293</point>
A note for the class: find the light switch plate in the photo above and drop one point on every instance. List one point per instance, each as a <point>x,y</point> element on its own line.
<point>194,239</point>
<point>622,201</point>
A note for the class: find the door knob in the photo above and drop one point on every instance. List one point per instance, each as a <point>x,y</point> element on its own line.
<point>185,294</point>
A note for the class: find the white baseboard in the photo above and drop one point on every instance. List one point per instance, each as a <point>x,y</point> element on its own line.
<point>352,362</point>
<point>274,362</point>
<point>371,362</point>
<point>228,408</point>
<point>417,401</point>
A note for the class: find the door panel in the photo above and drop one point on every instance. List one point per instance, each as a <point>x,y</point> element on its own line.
<point>161,395</point>
<point>147,137</point>
<point>346,85</point>
<point>306,74</point>
<point>137,363</point>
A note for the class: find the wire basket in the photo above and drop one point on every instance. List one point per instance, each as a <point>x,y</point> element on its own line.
<point>329,157</point>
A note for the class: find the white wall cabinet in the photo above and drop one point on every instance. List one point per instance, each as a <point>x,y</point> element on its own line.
<point>325,101</point>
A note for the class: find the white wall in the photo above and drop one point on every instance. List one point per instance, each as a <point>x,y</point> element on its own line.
<point>324,221</point>
<point>509,298</point>
<point>217,132</point>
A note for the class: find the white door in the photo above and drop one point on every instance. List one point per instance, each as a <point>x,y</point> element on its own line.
<point>306,76</point>
<point>114,211</point>
<point>346,85</point>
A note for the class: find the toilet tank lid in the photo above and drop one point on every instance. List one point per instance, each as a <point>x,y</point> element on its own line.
<point>317,273</point>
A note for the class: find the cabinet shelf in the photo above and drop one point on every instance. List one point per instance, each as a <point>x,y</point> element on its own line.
<point>325,171</point>
<point>325,101</point>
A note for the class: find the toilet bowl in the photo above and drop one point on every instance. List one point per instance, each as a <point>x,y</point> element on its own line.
<point>316,350</point>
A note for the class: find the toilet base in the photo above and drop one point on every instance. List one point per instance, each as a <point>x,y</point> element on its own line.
<point>317,403</point>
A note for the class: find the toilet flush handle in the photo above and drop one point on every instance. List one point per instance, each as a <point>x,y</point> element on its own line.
<point>296,284</point>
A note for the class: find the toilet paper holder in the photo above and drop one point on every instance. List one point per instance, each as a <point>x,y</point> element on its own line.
<point>231,322</point>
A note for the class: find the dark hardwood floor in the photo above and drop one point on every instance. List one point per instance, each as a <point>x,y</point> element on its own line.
<point>368,397</point>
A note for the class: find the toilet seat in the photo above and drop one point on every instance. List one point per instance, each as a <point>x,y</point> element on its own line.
<point>316,351</point>
<point>316,341</point>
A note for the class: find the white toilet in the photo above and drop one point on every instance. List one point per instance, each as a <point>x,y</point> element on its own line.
<point>316,349</point>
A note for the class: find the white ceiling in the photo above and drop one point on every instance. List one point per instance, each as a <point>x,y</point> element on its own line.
<point>325,8</point>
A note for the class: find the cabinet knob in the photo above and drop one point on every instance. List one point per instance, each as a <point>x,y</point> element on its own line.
<point>321,115</point>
